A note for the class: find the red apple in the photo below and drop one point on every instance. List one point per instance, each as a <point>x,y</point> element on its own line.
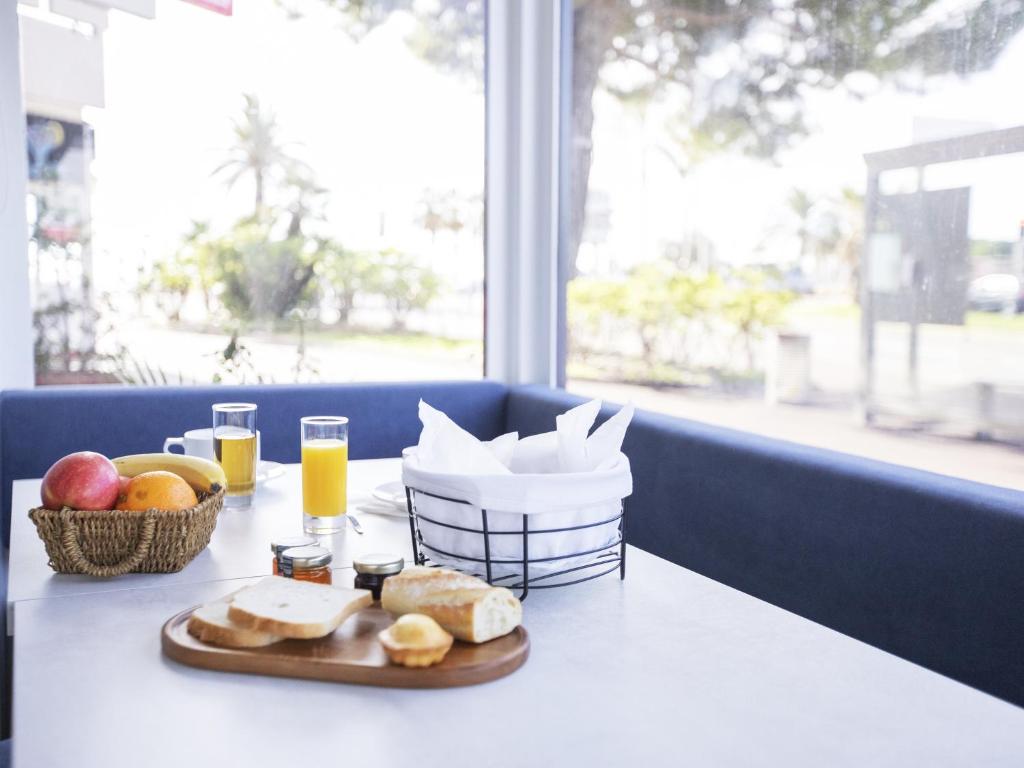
<point>83,480</point>
<point>122,488</point>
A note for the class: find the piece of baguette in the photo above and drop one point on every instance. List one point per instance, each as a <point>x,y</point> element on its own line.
<point>403,592</point>
<point>467,607</point>
<point>295,609</point>
<point>211,624</point>
<point>475,615</point>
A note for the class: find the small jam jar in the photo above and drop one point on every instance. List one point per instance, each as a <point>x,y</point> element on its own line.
<point>371,570</point>
<point>277,546</point>
<point>307,564</point>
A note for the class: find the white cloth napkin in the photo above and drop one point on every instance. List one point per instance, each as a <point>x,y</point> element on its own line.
<point>568,449</point>
<point>445,447</point>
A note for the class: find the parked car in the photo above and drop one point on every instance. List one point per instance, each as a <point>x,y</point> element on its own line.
<point>996,293</point>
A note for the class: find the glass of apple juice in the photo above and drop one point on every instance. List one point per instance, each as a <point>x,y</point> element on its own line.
<point>324,473</point>
<point>234,446</point>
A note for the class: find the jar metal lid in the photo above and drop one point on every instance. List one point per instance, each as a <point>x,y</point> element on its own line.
<point>306,557</point>
<point>378,563</point>
<point>277,546</point>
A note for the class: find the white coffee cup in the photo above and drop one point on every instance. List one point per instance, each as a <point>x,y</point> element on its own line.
<point>199,442</point>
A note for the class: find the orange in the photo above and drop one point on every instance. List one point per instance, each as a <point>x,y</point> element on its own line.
<point>159,490</point>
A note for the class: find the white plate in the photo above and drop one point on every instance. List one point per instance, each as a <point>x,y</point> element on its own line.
<point>379,508</point>
<point>267,471</point>
<point>392,493</point>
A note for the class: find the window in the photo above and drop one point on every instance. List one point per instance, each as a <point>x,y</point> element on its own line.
<point>803,219</point>
<point>255,192</point>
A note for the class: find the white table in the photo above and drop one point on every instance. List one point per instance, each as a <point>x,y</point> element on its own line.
<point>240,545</point>
<point>667,668</point>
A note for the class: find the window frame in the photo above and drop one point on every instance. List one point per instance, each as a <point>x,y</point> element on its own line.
<point>17,367</point>
<point>524,286</point>
<point>528,76</point>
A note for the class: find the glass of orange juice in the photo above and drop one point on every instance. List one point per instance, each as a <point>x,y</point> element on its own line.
<point>324,473</point>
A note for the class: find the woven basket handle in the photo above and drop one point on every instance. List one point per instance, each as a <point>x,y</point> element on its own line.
<point>69,538</point>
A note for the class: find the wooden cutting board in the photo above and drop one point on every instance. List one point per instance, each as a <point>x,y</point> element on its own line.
<point>352,654</point>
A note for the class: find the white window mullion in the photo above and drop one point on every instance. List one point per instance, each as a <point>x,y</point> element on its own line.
<point>16,365</point>
<point>523,53</point>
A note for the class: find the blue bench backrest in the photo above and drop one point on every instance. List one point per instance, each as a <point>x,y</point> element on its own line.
<point>927,567</point>
<point>39,426</point>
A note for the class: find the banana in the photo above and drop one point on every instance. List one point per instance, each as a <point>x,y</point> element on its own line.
<point>201,474</point>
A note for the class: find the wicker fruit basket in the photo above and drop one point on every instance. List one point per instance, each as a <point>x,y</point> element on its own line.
<point>114,542</point>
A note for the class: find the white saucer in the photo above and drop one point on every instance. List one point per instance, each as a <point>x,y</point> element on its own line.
<point>267,471</point>
<point>392,493</point>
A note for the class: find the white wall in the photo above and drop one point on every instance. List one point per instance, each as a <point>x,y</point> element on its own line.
<point>62,70</point>
<point>15,314</point>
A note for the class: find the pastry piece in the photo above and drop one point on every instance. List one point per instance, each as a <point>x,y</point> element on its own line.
<point>466,606</point>
<point>295,609</point>
<point>415,640</point>
<point>210,623</point>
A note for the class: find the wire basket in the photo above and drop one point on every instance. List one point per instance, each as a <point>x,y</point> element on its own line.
<point>604,559</point>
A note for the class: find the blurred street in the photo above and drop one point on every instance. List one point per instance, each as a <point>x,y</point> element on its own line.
<point>196,358</point>
<point>827,423</point>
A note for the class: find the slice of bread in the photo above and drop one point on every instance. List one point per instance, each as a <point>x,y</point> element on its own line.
<point>210,623</point>
<point>295,609</point>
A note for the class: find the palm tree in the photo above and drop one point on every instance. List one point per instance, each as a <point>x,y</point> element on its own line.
<point>307,199</point>
<point>257,150</point>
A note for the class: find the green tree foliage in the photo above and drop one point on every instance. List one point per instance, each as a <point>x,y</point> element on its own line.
<point>753,307</point>
<point>201,264</point>
<point>396,277</point>
<point>262,278</point>
<point>655,303</point>
<point>235,364</point>
<point>259,152</point>
<point>264,266</point>
<point>831,227</point>
<point>740,70</point>
<point>444,211</point>
<point>65,322</point>
<point>256,277</point>
<point>170,281</point>
<point>349,274</point>
<point>267,267</point>
<point>405,285</point>
<point>447,33</point>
